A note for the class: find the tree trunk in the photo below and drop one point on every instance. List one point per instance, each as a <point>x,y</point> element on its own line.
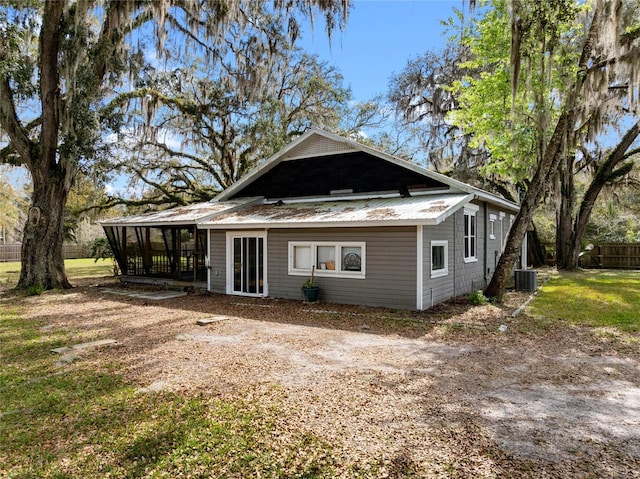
<point>498,283</point>
<point>605,173</point>
<point>564,213</point>
<point>545,171</point>
<point>536,254</point>
<point>42,258</point>
<point>51,172</point>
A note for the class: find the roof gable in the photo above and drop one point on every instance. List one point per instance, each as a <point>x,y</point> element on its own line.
<point>355,172</point>
<point>316,145</point>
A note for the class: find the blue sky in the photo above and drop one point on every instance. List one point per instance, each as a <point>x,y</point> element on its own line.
<point>379,39</point>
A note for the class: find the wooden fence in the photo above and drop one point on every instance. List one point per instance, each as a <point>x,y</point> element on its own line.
<point>12,252</point>
<point>613,255</point>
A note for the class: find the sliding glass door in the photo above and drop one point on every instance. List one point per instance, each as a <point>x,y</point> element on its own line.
<point>247,261</point>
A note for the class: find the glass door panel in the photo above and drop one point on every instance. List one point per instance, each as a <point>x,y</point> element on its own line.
<point>248,265</point>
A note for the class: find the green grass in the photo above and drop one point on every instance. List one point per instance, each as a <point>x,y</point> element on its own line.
<point>76,269</point>
<point>592,298</point>
<point>87,421</point>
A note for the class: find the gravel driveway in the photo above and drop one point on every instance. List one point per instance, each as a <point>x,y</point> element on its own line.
<point>430,392</point>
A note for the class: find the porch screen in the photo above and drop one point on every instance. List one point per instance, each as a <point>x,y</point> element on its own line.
<point>116,235</point>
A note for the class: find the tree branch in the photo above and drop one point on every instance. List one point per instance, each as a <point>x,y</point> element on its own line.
<point>9,118</point>
<point>49,80</point>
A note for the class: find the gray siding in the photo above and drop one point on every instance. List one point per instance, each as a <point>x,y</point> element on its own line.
<point>390,266</point>
<point>218,261</point>
<point>463,278</point>
<point>391,262</point>
<point>469,277</point>
<point>436,290</point>
<point>494,245</point>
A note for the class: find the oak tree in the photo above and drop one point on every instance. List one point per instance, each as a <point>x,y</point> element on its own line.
<point>61,61</point>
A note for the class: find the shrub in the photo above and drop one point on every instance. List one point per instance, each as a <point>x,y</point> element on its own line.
<point>477,298</point>
<point>100,249</point>
<point>35,290</point>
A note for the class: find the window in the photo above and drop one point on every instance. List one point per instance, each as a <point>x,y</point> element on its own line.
<point>439,258</point>
<point>470,233</point>
<point>492,226</point>
<point>302,258</point>
<point>330,259</point>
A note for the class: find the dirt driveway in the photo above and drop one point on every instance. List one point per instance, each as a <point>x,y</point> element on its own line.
<point>437,394</point>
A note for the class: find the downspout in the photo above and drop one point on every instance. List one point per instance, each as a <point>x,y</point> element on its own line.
<point>124,251</point>
<point>420,267</point>
<point>207,259</point>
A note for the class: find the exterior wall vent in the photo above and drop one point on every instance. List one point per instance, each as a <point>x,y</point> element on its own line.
<point>346,191</point>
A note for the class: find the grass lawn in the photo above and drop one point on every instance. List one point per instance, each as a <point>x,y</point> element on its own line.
<point>592,298</point>
<point>85,420</point>
<point>76,269</point>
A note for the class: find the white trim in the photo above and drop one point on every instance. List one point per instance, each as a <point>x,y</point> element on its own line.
<point>443,272</point>
<point>471,209</point>
<point>471,213</point>
<point>229,280</point>
<point>338,272</point>
<point>317,224</point>
<point>337,197</point>
<point>364,196</point>
<point>420,268</point>
<point>492,226</point>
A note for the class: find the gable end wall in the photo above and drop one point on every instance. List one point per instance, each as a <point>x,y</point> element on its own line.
<point>315,146</point>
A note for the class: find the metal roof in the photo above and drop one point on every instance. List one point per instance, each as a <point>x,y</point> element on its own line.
<point>426,209</point>
<point>187,215</point>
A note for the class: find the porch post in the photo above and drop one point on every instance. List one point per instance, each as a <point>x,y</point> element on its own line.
<point>195,253</point>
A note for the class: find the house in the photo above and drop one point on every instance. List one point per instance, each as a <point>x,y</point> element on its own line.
<point>377,230</point>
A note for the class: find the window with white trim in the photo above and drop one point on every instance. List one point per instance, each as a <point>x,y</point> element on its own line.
<point>492,226</point>
<point>470,233</point>
<point>343,259</point>
<point>439,258</point>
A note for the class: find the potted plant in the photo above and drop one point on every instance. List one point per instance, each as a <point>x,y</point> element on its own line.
<point>309,288</point>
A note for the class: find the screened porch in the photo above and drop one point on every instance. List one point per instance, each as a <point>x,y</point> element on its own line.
<point>176,253</point>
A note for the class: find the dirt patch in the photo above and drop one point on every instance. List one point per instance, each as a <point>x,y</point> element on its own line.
<point>438,394</point>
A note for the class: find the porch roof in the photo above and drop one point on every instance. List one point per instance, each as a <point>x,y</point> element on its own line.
<point>182,215</point>
<point>426,210</point>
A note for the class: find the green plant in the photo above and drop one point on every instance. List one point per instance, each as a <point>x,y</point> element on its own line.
<point>101,249</point>
<point>311,282</point>
<point>477,298</point>
<point>35,290</point>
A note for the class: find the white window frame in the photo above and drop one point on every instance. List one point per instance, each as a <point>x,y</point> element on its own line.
<point>335,273</point>
<point>502,216</point>
<point>469,212</point>
<point>438,273</point>
<point>492,226</point>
